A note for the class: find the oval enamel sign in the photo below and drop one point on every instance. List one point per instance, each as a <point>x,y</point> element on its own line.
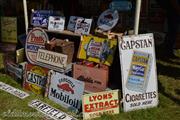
<point>36,39</point>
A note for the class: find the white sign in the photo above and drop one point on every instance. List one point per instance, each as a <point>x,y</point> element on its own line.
<point>16,92</point>
<point>50,111</point>
<point>108,19</point>
<point>65,90</point>
<point>36,39</point>
<point>51,58</point>
<point>56,23</point>
<point>83,26</point>
<point>138,67</point>
<point>72,23</point>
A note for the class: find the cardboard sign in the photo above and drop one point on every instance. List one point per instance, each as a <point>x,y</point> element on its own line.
<point>9,29</point>
<point>65,90</point>
<point>50,111</point>
<point>56,23</point>
<point>35,78</point>
<point>108,19</point>
<point>95,79</point>
<point>72,23</point>
<point>96,49</point>
<point>52,60</point>
<point>83,26</point>
<point>97,104</point>
<point>138,67</point>
<point>36,39</point>
<point>16,92</point>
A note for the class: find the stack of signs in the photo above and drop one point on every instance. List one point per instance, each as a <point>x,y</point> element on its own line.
<point>96,49</point>
<point>35,78</point>
<point>36,39</point>
<point>65,90</point>
<point>108,19</point>
<point>138,67</point>
<point>97,104</point>
<point>56,23</point>
<point>72,23</point>
<point>9,29</point>
<point>83,26</point>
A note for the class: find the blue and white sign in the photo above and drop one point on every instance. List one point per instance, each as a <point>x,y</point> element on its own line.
<point>56,23</point>
<point>108,19</point>
<point>65,90</point>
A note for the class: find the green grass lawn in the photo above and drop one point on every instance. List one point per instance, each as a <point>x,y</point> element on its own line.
<point>168,108</point>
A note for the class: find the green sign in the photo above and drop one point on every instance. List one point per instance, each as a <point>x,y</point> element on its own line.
<point>9,29</point>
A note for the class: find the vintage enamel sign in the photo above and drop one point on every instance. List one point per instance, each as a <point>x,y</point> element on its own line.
<point>97,104</point>
<point>95,79</point>
<point>36,39</point>
<point>83,26</point>
<point>96,49</point>
<point>14,91</point>
<point>50,111</point>
<point>56,23</point>
<point>138,67</point>
<point>108,19</point>
<point>72,22</point>
<point>65,90</point>
<point>35,78</point>
<point>52,60</point>
<point>9,29</point>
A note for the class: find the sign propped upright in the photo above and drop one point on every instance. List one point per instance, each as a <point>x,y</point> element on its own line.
<point>138,67</point>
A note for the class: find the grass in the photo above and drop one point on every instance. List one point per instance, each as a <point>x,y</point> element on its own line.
<point>169,98</point>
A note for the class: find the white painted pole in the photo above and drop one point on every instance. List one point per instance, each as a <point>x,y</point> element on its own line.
<point>25,15</point>
<point>137,16</point>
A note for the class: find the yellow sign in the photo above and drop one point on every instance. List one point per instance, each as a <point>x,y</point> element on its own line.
<point>97,104</point>
<point>9,29</point>
<point>96,49</point>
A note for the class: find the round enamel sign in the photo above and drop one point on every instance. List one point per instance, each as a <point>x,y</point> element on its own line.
<point>36,39</point>
<point>108,19</point>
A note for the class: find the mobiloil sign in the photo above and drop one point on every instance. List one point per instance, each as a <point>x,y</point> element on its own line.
<point>65,90</point>
<point>36,39</point>
<point>35,78</point>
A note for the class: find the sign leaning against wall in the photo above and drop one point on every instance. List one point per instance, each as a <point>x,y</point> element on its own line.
<point>138,67</point>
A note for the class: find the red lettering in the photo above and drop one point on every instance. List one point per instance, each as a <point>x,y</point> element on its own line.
<point>99,97</point>
<point>94,98</point>
<point>110,95</point>
<point>36,39</point>
<point>90,99</point>
<point>85,108</point>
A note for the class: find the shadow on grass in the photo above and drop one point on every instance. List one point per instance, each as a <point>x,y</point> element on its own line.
<point>168,70</point>
<point>162,90</point>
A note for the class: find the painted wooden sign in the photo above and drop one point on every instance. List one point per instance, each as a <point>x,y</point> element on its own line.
<point>56,23</point>
<point>96,49</point>
<point>65,90</point>
<point>9,29</point>
<point>138,67</point>
<point>97,104</point>
<point>36,39</point>
<point>50,111</point>
<point>35,78</point>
